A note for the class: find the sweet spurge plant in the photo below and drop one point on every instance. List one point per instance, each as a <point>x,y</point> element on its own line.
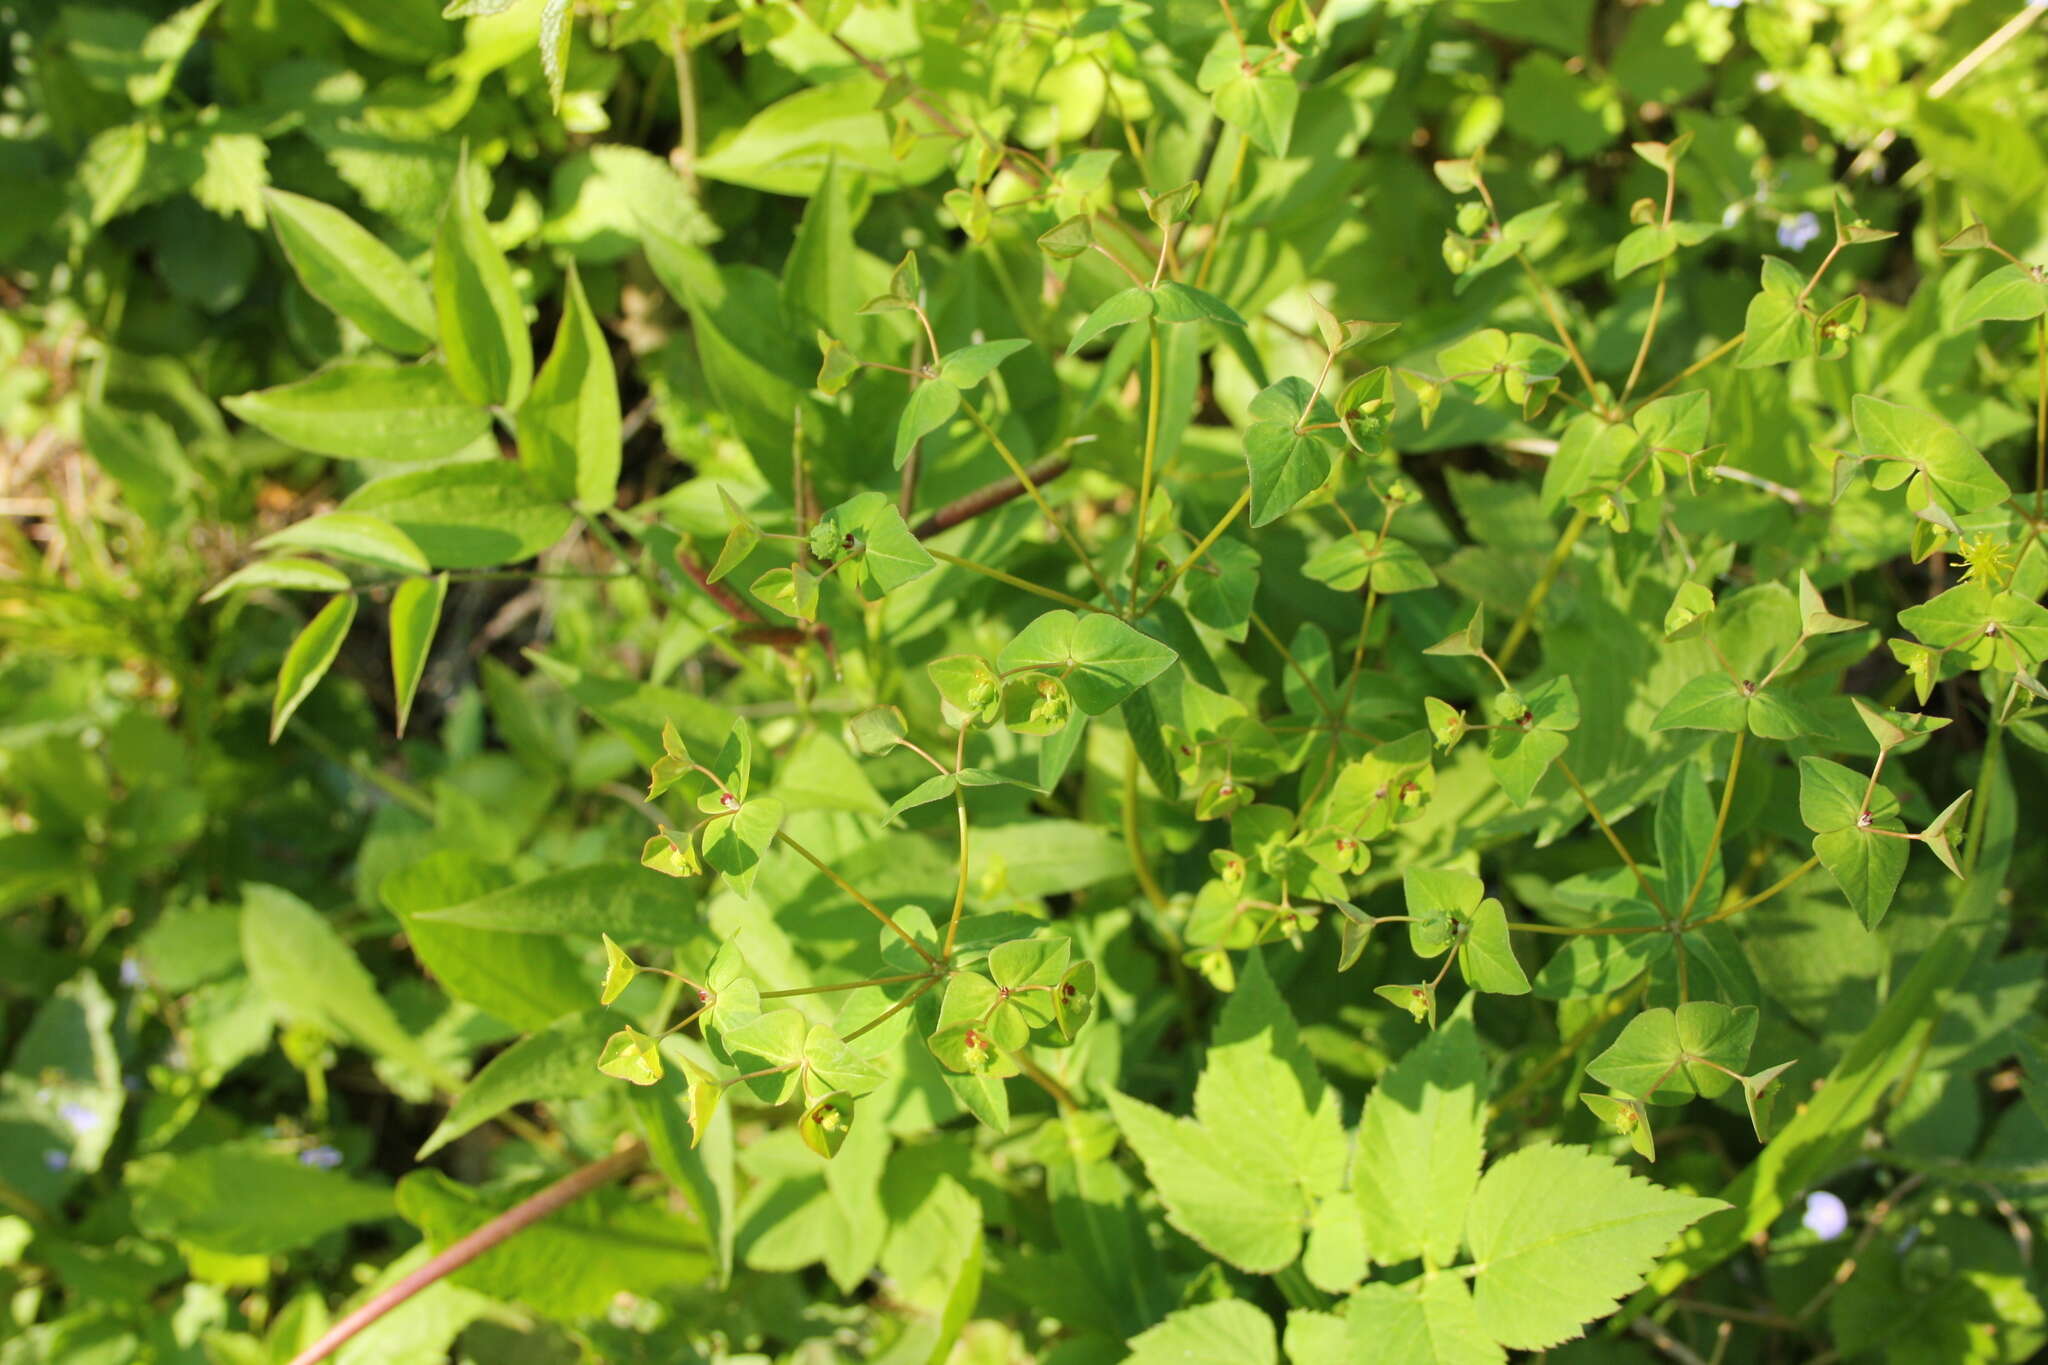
<point>745,681</point>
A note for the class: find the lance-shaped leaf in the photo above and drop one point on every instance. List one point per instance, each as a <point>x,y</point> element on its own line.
<point>347,268</point>
<point>311,654</point>
<point>2013,293</point>
<point>932,404</point>
<point>1814,616</point>
<point>415,616</point>
<point>1100,659</point>
<point>354,536</point>
<point>939,786</point>
<point>1118,310</point>
<point>569,425</point>
<point>969,365</point>
<point>362,410</point>
<point>481,321</point>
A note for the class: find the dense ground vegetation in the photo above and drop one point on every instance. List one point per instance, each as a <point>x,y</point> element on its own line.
<point>1181,681</point>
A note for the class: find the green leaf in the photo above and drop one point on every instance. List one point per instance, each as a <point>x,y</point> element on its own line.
<point>1285,463</point>
<point>1668,1056</point>
<point>789,146</point>
<point>283,574</point>
<point>620,899</point>
<point>248,1199</point>
<point>1388,563</point>
<point>1867,865</point>
<point>1420,1144</point>
<point>569,1265</point>
<point>415,615</point>
<point>347,268</point>
<point>1118,310</point>
<point>870,530</point>
<point>969,365</point>
<point>1777,327</point>
<point>2011,292</point>
<point>1243,1176</point>
<point>467,516</point>
<point>309,658</point>
<point>1598,964</point>
<point>1173,301</point>
<point>1226,1332</point>
<point>1560,1234</point>
<point>526,980</point>
<point>359,410</point>
<point>630,1055</point>
<point>481,321</point>
<point>1100,659</point>
<point>735,844</point>
<point>1430,1321</point>
<point>1712,701</point>
<point>1487,957</point>
<point>931,405</point>
<point>1949,469</point>
<point>351,535</point>
<point>142,452</point>
<point>299,962</point>
<point>549,1067</point>
<point>569,424</point>
<point>1261,107</point>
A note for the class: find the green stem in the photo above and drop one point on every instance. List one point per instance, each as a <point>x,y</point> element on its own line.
<point>1760,897</point>
<point>1635,371</point>
<point>1023,476</point>
<point>1145,476</point>
<point>1557,322</point>
<point>877,911</point>
<point>1613,839</point>
<point>1133,840</point>
<point>1050,594</point>
<point>1516,633</point>
<point>1202,547</point>
<point>1712,857</point>
<point>842,986</point>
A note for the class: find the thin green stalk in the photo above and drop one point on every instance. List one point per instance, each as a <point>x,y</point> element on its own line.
<point>1145,476</point>
<point>1557,322</point>
<point>841,986</point>
<point>1222,216</point>
<point>1517,632</point>
<point>877,911</point>
<point>1613,839</point>
<point>1635,371</point>
<point>1133,840</point>
<point>1689,371</point>
<point>1050,594</point>
<point>1202,547</point>
<point>1713,853</point>
<point>1322,702</point>
<point>890,1013</point>
<point>1023,476</point>
<point>1760,897</point>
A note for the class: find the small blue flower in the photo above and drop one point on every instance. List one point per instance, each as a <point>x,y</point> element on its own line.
<point>1826,1217</point>
<point>323,1156</point>
<point>57,1159</point>
<point>1796,234</point>
<point>1737,4</point>
<point>131,973</point>
<point>80,1119</point>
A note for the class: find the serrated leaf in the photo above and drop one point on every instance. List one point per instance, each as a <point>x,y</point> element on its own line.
<point>1243,1176</point>
<point>1420,1143</point>
<point>1559,1235</point>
